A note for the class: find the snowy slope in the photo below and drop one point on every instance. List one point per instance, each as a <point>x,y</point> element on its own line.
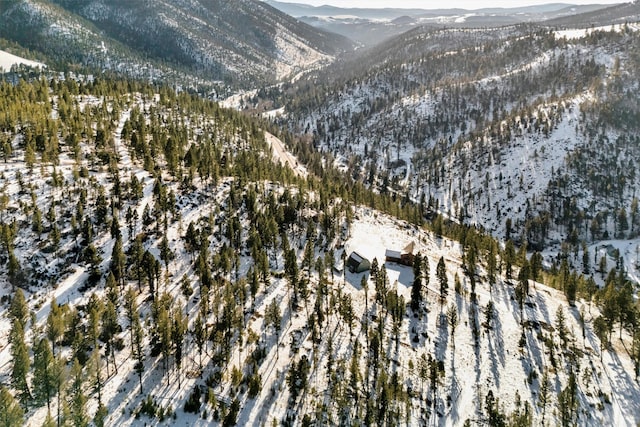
<point>183,42</point>
<point>479,358</point>
<point>7,60</point>
<point>483,137</point>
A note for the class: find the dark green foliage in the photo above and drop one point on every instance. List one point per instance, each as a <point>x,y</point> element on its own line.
<point>100,416</point>
<point>231,418</point>
<point>20,362</point>
<point>417,287</point>
<point>297,377</point>
<point>44,384</point>
<point>18,309</point>
<point>193,403</point>
<point>257,214</point>
<point>150,408</point>
<point>77,398</point>
<point>11,413</point>
<point>568,403</point>
<point>495,416</point>
<point>255,385</point>
<point>441,274</point>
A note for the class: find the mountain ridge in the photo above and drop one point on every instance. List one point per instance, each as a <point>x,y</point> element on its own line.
<point>372,26</point>
<point>241,43</point>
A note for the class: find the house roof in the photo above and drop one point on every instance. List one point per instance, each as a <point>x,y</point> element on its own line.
<point>392,254</point>
<point>409,248</point>
<point>356,257</point>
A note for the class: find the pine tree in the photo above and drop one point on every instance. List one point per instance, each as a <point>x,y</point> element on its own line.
<point>491,266</point>
<point>199,336</point>
<point>77,398</point>
<point>178,330</point>
<point>568,403</point>
<point>149,267</point>
<point>441,273</point>
<point>118,262</point>
<point>452,317</point>
<point>382,286</point>
<point>354,374</point>
<point>521,416</point>
<point>110,327</point>
<point>59,377</point>
<point>426,275</point>
<point>561,327</point>
<point>609,307</point>
<point>11,413</point>
<point>36,224</point>
<point>163,328</point>
<point>601,329</point>
<point>509,259</point>
<point>495,416</point>
<point>535,265</point>
<point>544,395</point>
<point>18,309</point>
<point>165,252</point>
<point>364,283</point>
<point>273,318</point>
<point>416,288</point>
<point>49,421</point>
<point>20,362</point>
<point>55,324</point>
<point>112,291</point>
<point>138,353</point>
<point>489,314</point>
<point>135,255</point>
<point>520,297</point>
<point>95,364</point>
<point>100,416</point>
<point>95,309</point>
<point>43,373</point>
<point>131,309</point>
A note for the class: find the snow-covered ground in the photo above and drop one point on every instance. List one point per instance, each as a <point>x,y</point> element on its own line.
<point>479,357</point>
<point>578,33</point>
<point>499,364</point>
<point>237,101</point>
<point>294,55</point>
<point>7,60</point>
<point>282,155</point>
<point>499,188</point>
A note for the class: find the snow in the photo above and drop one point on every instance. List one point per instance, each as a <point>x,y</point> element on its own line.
<point>497,363</point>
<point>356,257</point>
<point>530,156</point>
<point>272,114</point>
<point>294,55</point>
<point>578,33</point>
<point>7,60</point>
<point>237,100</point>
<point>281,154</point>
<point>462,19</point>
<point>392,254</point>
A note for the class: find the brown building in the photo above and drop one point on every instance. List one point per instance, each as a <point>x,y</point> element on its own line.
<point>404,257</point>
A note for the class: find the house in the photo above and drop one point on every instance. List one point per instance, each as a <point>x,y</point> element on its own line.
<point>356,263</point>
<point>404,257</point>
<point>393,256</point>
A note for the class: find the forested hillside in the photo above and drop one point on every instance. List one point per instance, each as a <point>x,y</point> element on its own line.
<point>505,128</point>
<point>240,44</point>
<point>162,264</point>
<point>442,229</point>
